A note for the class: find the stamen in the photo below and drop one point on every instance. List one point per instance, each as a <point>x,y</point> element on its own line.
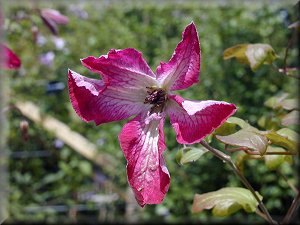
<point>156,97</point>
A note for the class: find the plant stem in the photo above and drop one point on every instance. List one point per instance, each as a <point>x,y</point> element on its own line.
<point>286,54</point>
<point>269,153</point>
<point>250,152</point>
<point>292,209</point>
<point>289,45</point>
<point>262,215</point>
<point>227,159</point>
<point>292,186</point>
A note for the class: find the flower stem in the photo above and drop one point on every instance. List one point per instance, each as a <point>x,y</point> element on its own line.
<point>292,209</point>
<point>226,158</point>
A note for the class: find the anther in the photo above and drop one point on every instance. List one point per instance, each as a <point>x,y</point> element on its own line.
<point>156,97</point>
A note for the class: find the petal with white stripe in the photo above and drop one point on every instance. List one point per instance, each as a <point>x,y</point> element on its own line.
<point>183,68</point>
<point>194,120</point>
<point>142,141</point>
<point>122,68</point>
<point>94,101</point>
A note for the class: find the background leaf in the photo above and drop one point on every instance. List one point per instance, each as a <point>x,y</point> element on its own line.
<point>275,161</point>
<point>290,104</point>
<point>259,54</point>
<point>285,138</point>
<point>288,133</point>
<point>292,118</point>
<point>281,101</point>
<point>226,129</point>
<point>238,52</point>
<point>252,54</point>
<point>238,121</point>
<point>189,154</point>
<point>246,138</point>
<point>226,201</point>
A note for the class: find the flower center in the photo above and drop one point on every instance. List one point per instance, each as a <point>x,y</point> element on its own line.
<point>156,97</point>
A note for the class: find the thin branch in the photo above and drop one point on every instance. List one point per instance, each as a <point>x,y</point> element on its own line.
<point>292,209</point>
<point>262,215</point>
<point>270,153</point>
<point>285,70</point>
<point>289,45</point>
<point>290,72</point>
<point>250,152</point>
<point>227,159</point>
<point>280,153</point>
<point>292,186</point>
<point>286,53</point>
<point>236,149</point>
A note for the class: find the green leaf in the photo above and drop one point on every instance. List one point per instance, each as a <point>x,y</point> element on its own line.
<point>226,129</point>
<point>189,154</point>
<point>292,118</point>
<point>269,122</point>
<point>290,104</point>
<point>235,120</point>
<point>242,124</point>
<point>284,137</point>
<point>274,161</point>
<point>179,155</point>
<point>238,52</point>
<point>275,101</point>
<point>226,201</point>
<point>209,138</point>
<point>288,133</point>
<point>280,101</point>
<point>246,138</point>
<point>259,54</point>
<point>254,55</point>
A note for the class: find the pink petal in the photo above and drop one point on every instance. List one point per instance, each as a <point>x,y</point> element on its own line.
<point>194,120</point>
<point>93,100</point>
<point>183,69</point>
<point>143,145</point>
<point>10,59</point>
<point>54,15</point>
<point>125,68</point>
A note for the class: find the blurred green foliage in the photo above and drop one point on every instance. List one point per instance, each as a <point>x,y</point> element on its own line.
<point>154,29</point>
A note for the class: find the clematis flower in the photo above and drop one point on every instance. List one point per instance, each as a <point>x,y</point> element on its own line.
<point>130,88</point>
<point>9,60</point>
